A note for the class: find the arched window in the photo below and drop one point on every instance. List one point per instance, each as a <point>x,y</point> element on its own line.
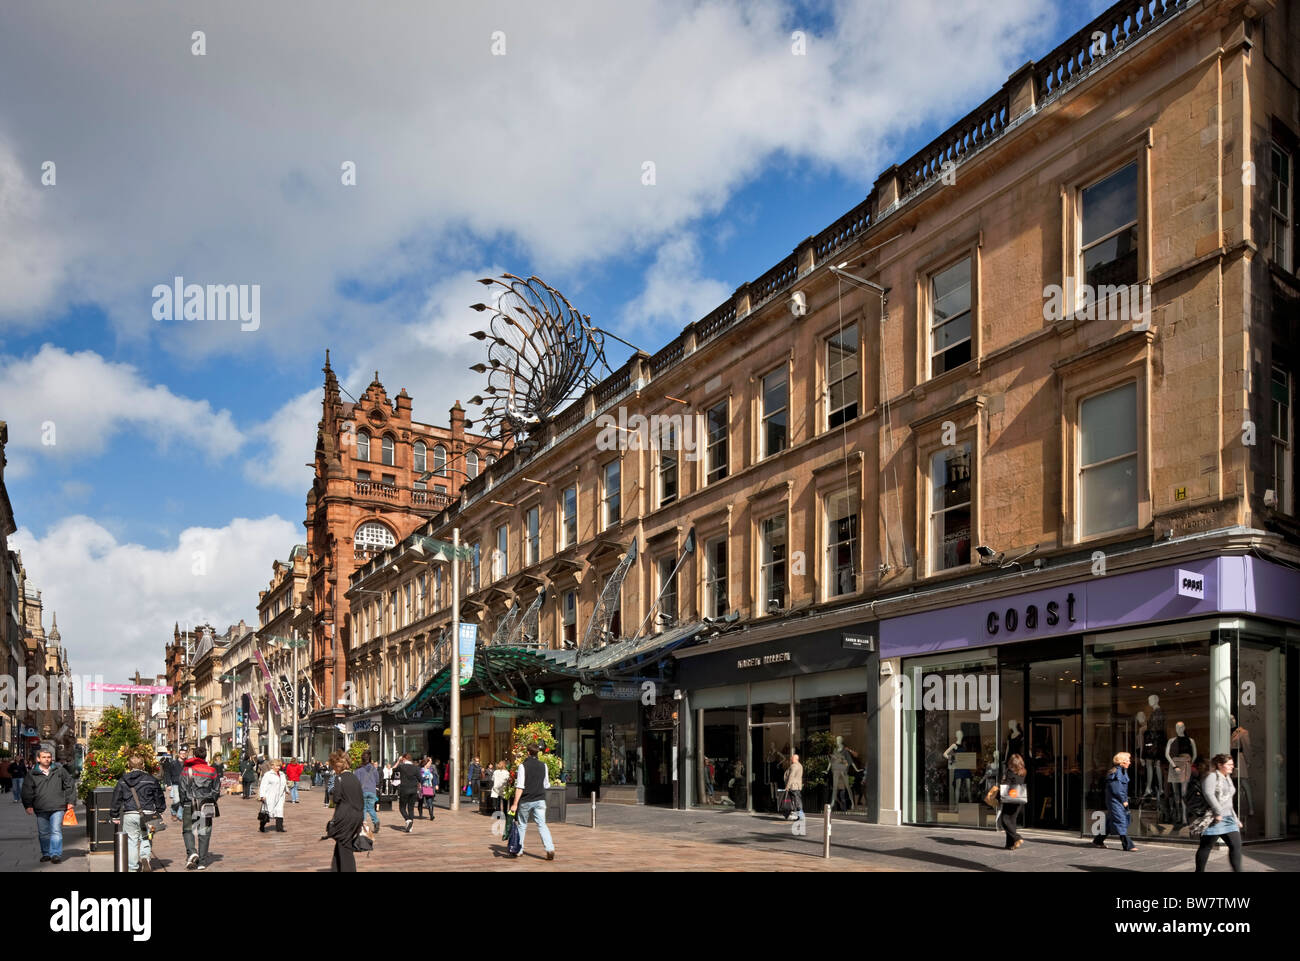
<point>373,536</point>
<point>363,445</point>
<point>440,460</point>
<point>388,449</point>
<point>420,457</point>
<point>471,464</point>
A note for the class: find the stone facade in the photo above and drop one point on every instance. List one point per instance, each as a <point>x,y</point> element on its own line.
<point>368,492</point>
<point>852,460</point>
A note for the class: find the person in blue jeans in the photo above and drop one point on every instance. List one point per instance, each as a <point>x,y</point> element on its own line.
<point>531,781</point>
<point>370,777</point>
<point>18,771</point>
<point>48,792</point>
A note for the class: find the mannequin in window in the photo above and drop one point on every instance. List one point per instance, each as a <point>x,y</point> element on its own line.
<point>1180,751</point>
<point>1152,735</point>
<point>1015,739</point>
<point>1240,749</point>
<point>841,763</point>
<point>958,779</point>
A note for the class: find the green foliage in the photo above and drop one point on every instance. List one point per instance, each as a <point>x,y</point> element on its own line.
<point>817,765</point>
<point>538,732</point>
<point>236,759</point>
<point>111,743</point>
<point>355,750</point>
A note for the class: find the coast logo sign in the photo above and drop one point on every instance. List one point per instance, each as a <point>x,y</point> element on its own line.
<point>179,300</point>
<point>77,915</point>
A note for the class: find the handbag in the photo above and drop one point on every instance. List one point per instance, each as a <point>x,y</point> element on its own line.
<point>1197,827</point>
<point>513,844</point>
<point>1013,794</point>
<point>426,790</point>
<point>992,796</point>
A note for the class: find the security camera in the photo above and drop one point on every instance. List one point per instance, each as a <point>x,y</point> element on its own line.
<point>798,304</point>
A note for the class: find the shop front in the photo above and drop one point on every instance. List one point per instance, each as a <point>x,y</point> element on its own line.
<point>748,707</point>
<point>1168,665</point>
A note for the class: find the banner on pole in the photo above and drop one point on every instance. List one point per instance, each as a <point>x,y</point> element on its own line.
<point>468,638</point>
<point>270,690</point>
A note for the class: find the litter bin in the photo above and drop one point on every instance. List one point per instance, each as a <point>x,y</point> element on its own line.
<point>99,822</point>
<point>486,802</point>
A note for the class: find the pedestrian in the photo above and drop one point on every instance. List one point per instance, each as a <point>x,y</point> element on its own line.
<point>292,772</point>
<point>794,786</point>
<point>18,772</point>
<point>329,786</point>
<point>349,818</point>
<point>408,789</point>
<point>199,789</point>
<point>499,779</point>
<point>369,775</point>
<point>388,777</point>
<point>428,786</point>
<point>248,775</point>
<point>271,793</point>
<point>475,772</point>
<point>137,799</point>
<point>6,777</point>
<point>1117,803</point>
<point>446,776</point>
<point>171,778</point>
<point>1014,801</point>
<point>48,791</point>
<point>531,781</point>
<point>1218,790</point>
<point>219,767</point>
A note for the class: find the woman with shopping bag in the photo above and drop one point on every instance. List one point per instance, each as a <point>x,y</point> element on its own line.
<point>271,793</point>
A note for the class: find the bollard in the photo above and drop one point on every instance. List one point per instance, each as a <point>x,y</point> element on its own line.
<point>120,859</point>
<point>593,810</point>
<point>826,836</point>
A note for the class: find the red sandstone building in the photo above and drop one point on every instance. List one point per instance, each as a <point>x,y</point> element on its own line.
<point>368,496</point>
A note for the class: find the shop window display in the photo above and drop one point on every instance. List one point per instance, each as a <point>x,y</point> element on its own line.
<point>951,719</point>
<point>832,743</point>
<point>721,780</point>
<point>1151,698</point>
<point>619,757</point>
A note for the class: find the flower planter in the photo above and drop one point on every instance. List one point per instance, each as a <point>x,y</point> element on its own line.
<point>555,803</point>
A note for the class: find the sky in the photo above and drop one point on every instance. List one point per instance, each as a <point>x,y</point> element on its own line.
<point>157,467</point>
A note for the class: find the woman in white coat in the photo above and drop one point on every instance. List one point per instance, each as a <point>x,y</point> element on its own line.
<point>271,793</point>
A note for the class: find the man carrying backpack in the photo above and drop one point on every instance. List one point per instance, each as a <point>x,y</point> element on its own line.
<point>200,786</point>
<point>137,799</point>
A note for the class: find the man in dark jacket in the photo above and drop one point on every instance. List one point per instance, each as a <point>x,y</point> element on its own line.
<point>200,788</point>
<point>137,797</point>
<point>18,771</point>
<point>48,791</point>
<point>408,789</point>
<point>171,778</point>
<point>248,774</point>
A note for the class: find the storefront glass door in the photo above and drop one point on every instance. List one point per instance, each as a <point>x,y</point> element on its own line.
<point>588,756</point>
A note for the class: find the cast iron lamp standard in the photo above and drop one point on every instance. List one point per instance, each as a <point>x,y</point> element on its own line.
<point>437,549</point>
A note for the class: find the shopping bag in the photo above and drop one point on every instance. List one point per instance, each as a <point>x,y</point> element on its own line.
<point>785,806</point>
<point>69,818</point>
<point>513,845</point>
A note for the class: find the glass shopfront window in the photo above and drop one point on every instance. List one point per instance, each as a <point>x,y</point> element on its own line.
<point>950,730</point>
<point>832,728</point>
<point>619,753</point>
<point>745,734</point>
<point>1263,706</point>
<point>1151,697</point>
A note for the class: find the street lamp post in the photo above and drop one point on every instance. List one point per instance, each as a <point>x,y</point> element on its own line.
<point>454,800</point>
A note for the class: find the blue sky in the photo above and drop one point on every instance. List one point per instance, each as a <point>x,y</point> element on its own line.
<point>176,438</point>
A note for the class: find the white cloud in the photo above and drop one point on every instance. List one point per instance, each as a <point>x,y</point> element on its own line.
<point>117,601</point>
<point>71,405</point>
<point>226,168</point>
<point>31,255</point>
<point>288,445</point>
<point>675,294</point>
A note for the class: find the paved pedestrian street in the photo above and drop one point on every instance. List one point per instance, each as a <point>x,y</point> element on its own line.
<point>627,838</point>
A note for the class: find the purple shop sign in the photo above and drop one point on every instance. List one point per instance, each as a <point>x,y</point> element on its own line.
<point>1218,585</point>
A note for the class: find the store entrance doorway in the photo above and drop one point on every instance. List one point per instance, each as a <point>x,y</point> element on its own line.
<point>589,757</point>
<point>1042,684</point>
<point>659,767</point>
